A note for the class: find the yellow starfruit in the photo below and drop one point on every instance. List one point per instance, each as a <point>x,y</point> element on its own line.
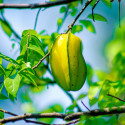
<point>67,63</point>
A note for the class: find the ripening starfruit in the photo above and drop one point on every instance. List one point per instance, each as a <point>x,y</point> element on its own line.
<point>67,63</point>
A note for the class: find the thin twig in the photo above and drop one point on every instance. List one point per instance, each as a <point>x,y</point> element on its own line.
<point>72,99</point>
<point>64,18</point>
<point>26,56</point>
<point>72,122</point>
<point>72,24</point>
<point>94,8</point>
<point>116,97</point>
<point>36,122</point>
<point>25,116</point>
<point>96,112</point>
<point>70,117</point>
<point>85,105</point>
<point>14,32</point>
<point>67,93</point>
<point>36,5</point>
<point>13,114</point>
<point>119,14</point>
<point>10,113</point>
<point>41,60</point>
<point>37,18</point>
<point>11,72</point>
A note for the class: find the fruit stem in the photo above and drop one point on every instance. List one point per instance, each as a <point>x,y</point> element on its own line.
<point>72,24</point>
<point>72,99</point>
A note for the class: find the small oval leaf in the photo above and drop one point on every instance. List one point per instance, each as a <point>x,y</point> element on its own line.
<point>88,24</point>
<point>81,96</point>
<point>97,17</point>
<point>59,22</point>
<point>62,9</point>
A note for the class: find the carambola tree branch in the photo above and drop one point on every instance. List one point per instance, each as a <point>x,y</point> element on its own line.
<point>28,121</point>
<point>36,5</point>
<point>94,8</point>
<point>69,117</point>
<point>41,61</point>
<point>70,27</point>
<point>116,97</point>
<point>79,14</point>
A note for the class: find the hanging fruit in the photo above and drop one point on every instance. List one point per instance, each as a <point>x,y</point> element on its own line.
<point>67,63</point>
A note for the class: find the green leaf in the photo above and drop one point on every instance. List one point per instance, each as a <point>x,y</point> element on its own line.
<point>27,67</point>
<point>12,85</point>
<point>3,97</point>
<point>57,108</point>
<point>118,61</point>
<point>94,89</point>
<point>93,3</point>
<point>1,1</point>
<point>74,10</point>
<point>2,70</point>
<point>77,28</point>
<point>107,2</point>
<point>73,4</point>
<point>29,76</point>
<point>93,101</point>
<point>47,41</point>
<point>97,17</point>
<point>29,32</point>
<point>112,48</point>
<point>90,74</point>
<point>62,9</point>
<point>59,22</point>
<point>6,28</point>
<point>112,88</point>
<point>121,119</point>
<point>43,31</point>
<point>11,97</point>
<point>1,86</point>
<point>11,70</point>
<point>88,24</point>
<point>0,61</point>
<point>45,37</point>
<point>83,118</point>
<point>8,58</point>
<point>47,80</point>
<point>101,74</point>
<point>1,114</point>
<point>113,120</point>
<point>81,96</point>
<point>96,121</point>
<point>13,45</point>
<point>38,89</point>
<point>71,107</point>
<point>37,49</point>
<point>54,35</point>
<point>25,97</point>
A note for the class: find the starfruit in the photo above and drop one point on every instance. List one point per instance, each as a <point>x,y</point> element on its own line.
<point>67,63</point>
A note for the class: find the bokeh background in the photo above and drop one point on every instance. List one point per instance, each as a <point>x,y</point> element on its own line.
<point>93,49</point>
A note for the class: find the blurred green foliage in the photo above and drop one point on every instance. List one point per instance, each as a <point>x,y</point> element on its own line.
<point>34,46</point>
